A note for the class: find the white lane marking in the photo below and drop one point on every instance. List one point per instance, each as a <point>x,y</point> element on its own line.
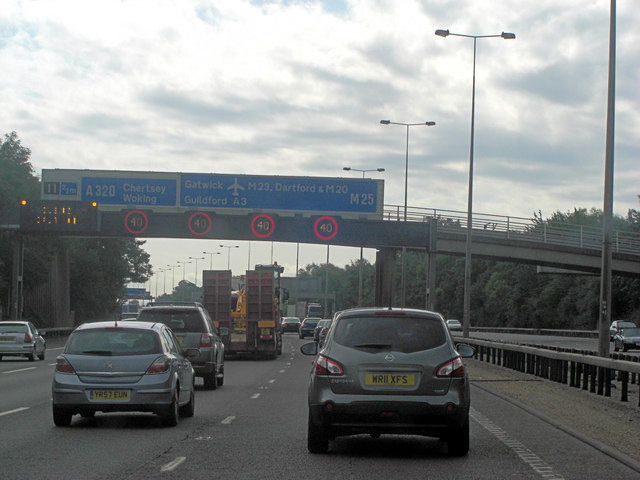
<point>20,370</point>
<point>272,380</point>
<point>52,365</point>
<point>526,455</point>
<point>255,395</point>
<point>228,420</point>
<point>15,410</point>
<point>282,371</point>
<point>172,465</point>
<point>57,348</point>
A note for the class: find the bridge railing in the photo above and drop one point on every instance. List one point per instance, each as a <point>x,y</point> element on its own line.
<point>517,228</point>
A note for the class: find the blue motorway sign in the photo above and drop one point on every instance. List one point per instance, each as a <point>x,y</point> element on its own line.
<point>129,191</point>
<point>224,193</point>
<point>278,193</point>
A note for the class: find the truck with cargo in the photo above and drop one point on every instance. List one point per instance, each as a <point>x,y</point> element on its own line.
<point>249,320</point>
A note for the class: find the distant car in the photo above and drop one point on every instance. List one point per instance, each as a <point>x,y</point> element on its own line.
<point>21,339</point>
<point>290,324</point>
<point>618,324</point>
<point>126,366</point>
<point>193,328</point>
<point>307,326</point>
<point>454,325</point>
<point>322,324</point>
<point>388,371</point>
<point>626,338</point>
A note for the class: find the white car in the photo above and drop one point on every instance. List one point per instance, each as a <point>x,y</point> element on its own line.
<point>454,325</point>
<point>21,339</point>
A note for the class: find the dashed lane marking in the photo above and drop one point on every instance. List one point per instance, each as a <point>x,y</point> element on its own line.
<point>20,370</point>
<point>526,455</point>
<point>255,395</point>
<point>228,420</point>
<point>15,410</point>
<point>173,465</point>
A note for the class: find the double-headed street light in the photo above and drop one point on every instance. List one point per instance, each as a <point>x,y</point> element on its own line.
<point>211,254</point>
<point>229,247</point>
<point>467,261</point>
<point>348,169</point>
<point>195,279</point>
<point>184,264</point>
<point>406,182</point>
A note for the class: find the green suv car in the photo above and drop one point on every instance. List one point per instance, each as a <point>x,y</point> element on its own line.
<point>388,371</point>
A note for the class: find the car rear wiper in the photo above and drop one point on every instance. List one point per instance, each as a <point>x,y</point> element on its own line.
<point>381,346</point>
<point>97,352</point>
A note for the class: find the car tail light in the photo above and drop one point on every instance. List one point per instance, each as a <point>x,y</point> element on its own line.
<point>327,367</point>
<point>27,337</point>
<point>63,366</point>
<point>159,365</point>
<point>206,340</point>
<point>454,368</point>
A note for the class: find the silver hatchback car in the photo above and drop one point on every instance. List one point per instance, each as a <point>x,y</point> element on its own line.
<point>388,371</point>
<point>126,366</point>
<point>18,338</point>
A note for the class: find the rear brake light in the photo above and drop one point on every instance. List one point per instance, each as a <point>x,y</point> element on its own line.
<point>206,340</point>
<point>63,366</point>
<point>325,366</point>
<point>454,368</point>
<point>27,337</point>
<point>159,365</point>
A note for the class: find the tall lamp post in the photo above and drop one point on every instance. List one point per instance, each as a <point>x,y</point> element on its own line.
<point>173,277</point>
<point>195,278</point>
<point>211,254</point>
<point>467,258</point>
<point>348,169</point>
<point>184,264</point>
<point>229,247</point>
<point>406,181</point>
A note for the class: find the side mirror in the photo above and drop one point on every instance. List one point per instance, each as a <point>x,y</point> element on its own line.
<point>465,350</point>
<point>42,334</point>
<point>310,348</point>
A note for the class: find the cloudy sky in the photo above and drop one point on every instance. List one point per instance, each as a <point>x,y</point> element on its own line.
<point>299,88</point>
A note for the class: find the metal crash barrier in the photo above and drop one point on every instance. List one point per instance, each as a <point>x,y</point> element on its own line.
<point>578,369</point>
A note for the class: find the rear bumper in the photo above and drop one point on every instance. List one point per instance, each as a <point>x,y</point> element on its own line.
<point>20,349</point>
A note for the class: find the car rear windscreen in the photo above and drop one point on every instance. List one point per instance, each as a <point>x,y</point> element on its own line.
<point>113,342</point>
<point>13,328</point>
<point>180,321</point>
<point>403,333</point>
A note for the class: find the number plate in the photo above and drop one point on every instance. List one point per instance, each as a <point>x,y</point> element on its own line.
<point>389,379</point>
<point>7,339</point>
<point>109,395</point>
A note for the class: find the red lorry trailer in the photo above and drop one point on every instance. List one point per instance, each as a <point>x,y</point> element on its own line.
<point>249,320</point>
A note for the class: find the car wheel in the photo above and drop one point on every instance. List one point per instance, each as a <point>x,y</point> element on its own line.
<point>32,355</point>
<point>317,437</point>
<point>41,356</point>
<point>615,347</point>
<point>624,348</point>
<point>170,415</point>
<point>458,439</point>
<point>189,409</point>
<point>61,417</point>
<point>211,380</point>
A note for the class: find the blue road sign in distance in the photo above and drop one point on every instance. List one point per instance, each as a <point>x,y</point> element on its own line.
<point>129,191</point>
<point>305,194</point>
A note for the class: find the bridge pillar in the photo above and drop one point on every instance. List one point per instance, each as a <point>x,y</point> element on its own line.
<point>385,273</point>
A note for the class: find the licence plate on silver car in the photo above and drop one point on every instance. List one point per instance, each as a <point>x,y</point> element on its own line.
<point>109,395</point>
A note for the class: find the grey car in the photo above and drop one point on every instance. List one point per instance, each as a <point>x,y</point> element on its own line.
<point>193,327</point>
<point>125,366</point>
<point>388,371</point>
<point>626,339</point>
<point>22,339</point>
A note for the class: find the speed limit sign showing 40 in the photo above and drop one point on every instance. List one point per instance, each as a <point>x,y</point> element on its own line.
<point>325,228</point>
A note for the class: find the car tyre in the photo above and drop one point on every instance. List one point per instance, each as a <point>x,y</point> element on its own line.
<point>615,347</point>
<point>624,348</point>
<point>221,377</point>
<point>61,417</point>
<point>32,355</point>
<point>189,409</point>
<point>317,437</point>
<point>458,440</point>
<point>170,415</point>
<point>211,380</point>
<point>41,356</point>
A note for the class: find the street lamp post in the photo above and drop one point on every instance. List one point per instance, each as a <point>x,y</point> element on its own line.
<point>173,277</point>
<point>195,278</point>
<point>467,260</point>
<point>184,264</point>
<point>211,254</point>
<point>229,247</point>
<point>347,169</point>
<point>406,182</point>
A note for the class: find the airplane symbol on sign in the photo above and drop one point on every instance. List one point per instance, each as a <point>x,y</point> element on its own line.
<point>235,187</point>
